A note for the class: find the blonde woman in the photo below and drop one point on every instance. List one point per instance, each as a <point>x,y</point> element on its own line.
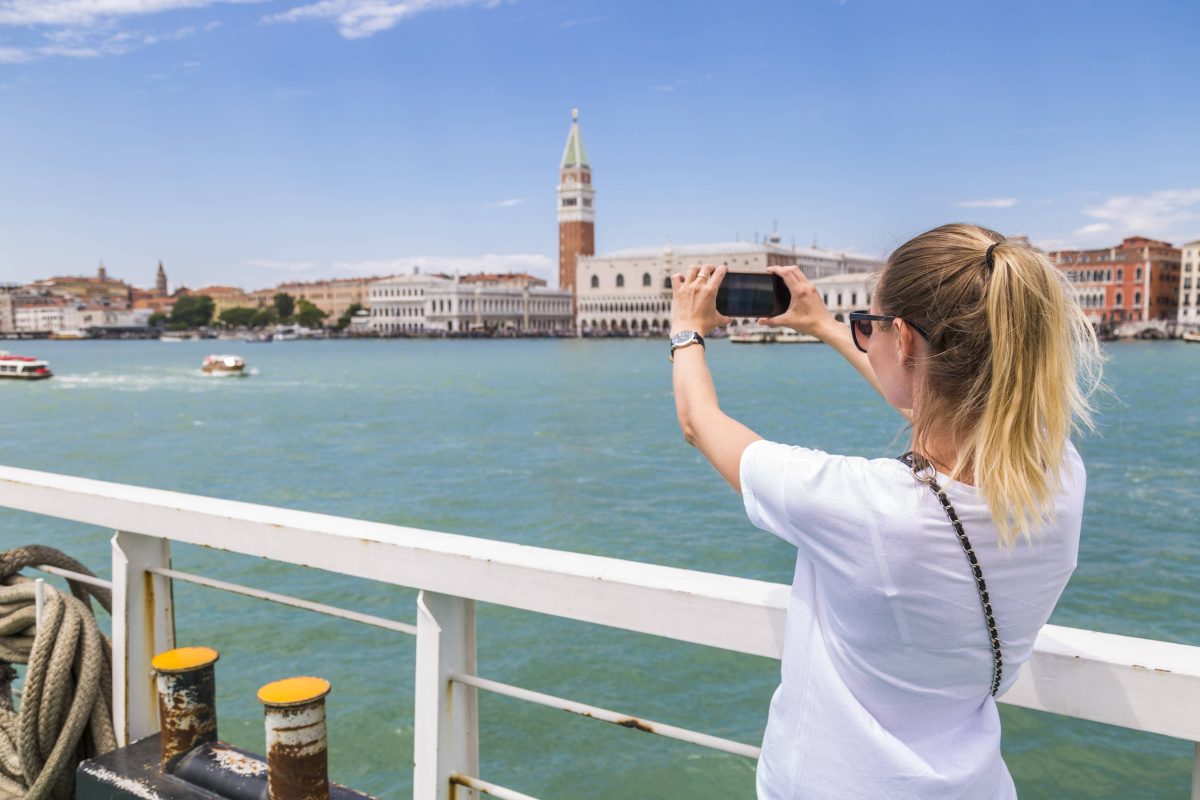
<point>922,581</point>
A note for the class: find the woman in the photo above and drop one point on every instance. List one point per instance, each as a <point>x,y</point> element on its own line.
<point>920,584</point>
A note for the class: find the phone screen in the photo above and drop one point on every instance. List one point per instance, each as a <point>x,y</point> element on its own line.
<point>752,294</point>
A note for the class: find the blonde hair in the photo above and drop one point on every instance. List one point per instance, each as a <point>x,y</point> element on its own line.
<point>1013,363</point>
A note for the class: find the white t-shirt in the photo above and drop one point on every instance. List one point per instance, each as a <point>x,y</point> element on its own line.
<point>887,664</point>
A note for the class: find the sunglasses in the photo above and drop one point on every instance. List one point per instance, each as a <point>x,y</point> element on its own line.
<point>860,326</point>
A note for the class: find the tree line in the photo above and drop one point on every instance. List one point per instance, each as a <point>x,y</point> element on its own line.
<point>197,310</point>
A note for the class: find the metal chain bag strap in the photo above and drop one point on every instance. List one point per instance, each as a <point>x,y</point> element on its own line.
<point>918,465</point>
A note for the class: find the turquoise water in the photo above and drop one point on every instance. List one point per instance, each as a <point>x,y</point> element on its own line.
<point>572,445</point>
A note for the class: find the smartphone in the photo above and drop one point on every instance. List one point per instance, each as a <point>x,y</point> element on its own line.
<point>753,294</point>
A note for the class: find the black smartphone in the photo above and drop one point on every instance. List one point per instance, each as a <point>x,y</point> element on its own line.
<point>753,294</point>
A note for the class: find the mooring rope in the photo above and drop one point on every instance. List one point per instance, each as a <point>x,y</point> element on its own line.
<point>65,714</point>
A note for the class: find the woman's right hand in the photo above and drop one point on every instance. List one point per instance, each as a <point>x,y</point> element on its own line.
<point>807,312</point>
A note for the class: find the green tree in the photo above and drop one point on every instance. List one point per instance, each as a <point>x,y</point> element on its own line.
<point>238,316</point>
<point>264,316</point>
<point>193,310</point>
<point>308,315</point>
<point>156,319</point>
<point>344,320</point>
<point>285,305</point>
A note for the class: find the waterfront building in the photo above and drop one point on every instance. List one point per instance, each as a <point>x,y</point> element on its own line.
<point>845,293</point>
<point>1189,286</point>
<point>224,297</point>
<point>40,313</point>
<point>100,319</point>
<point>483,303</point>
<point>99,288</point>
<point>1136,281</point>
<point>629,291</point>
<point>576,208</point>
<point>8,307</point>
<point>333,297</point>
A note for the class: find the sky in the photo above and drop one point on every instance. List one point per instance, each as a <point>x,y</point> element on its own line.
<point>250,142</point>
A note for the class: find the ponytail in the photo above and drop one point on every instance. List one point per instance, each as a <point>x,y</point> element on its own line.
<point>1013,363</point>
<point>1039,340</point>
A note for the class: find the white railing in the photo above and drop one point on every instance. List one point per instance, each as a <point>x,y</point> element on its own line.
<point>1134,683</point>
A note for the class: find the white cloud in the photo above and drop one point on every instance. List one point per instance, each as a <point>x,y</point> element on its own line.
<point>1093,229</point>
<point>507,203</point>
<point>357,19</point>
<point>573,23</point>
<point>283,266</point>
<point>89,12</point>
<point>1162,214</point>
<point>14,55</point>
<point>90,28</point>
<point>995,202</point>
<point>532,263</point>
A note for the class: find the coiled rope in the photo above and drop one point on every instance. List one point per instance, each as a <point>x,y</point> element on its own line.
<point>65,714</point>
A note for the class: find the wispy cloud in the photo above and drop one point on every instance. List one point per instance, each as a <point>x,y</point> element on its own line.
<point>1162,213</point>
<point>89,12</point>
<point>532,263</point>
<point>357,19</point>
<point>507,203</point>
<point>1172,215</point>
<point>574,23</point>
<point>994,202</point>
<point>282,266</point>
<point>91,28</point>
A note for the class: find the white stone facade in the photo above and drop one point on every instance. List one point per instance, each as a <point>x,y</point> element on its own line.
<point>845,293</point>
<point>432,304</point>
<point>629,291</point>
<point>1189,284</point>
<point>39,318</point>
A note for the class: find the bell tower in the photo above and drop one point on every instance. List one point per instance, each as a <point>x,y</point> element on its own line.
<point>160,281</point>
<point>576,213</point>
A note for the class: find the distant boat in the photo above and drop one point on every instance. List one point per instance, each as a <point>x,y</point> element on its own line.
<point>23,368</point>
<point>70,334</point>
<point>758,334</point>
<point>223,365</point>
<point>1191,336</point>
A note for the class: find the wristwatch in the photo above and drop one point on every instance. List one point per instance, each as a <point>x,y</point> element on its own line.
<point>683,339</point>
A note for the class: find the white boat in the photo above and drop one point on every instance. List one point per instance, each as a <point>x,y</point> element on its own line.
<point>70,334</point>
<point>1191,336</point>
<point>758,334</point>
<point>223,365</point>
<point>23,368</point>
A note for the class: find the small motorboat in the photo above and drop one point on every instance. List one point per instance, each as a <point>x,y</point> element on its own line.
<point>1191,336</point>
<point>223,365</point>
<point>23,368</point>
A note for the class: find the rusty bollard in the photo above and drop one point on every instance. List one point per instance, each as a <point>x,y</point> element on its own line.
<point>297,751</point>
<point>187,699</point>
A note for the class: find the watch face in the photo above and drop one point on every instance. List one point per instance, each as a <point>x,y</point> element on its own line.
<point>683,337</point>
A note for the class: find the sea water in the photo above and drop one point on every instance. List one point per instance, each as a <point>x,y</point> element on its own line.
<point>572,445</point>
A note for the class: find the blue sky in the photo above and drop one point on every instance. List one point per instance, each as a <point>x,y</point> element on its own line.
<point>254,142</point>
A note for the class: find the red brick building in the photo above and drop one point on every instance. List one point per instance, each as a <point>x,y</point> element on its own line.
<point>1134,281</point>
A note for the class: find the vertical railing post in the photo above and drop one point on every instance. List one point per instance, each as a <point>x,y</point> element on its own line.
<point>446,727</point>
<point>1196,773</point>
<point>143,625</point>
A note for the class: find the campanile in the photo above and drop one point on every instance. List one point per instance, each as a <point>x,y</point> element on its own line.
<point>576,212</point>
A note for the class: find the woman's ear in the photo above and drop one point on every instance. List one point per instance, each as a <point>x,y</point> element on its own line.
<point>906,344</point>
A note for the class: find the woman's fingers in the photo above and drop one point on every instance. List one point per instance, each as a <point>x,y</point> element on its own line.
<point>692,272</point>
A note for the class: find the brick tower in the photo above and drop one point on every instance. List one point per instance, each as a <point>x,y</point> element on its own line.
<point>576,213</point>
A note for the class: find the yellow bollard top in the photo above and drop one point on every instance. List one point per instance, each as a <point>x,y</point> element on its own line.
<point>184,659</point>
<point>293,691</point>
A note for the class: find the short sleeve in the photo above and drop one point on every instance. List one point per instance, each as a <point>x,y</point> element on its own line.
<point>831,507</point>
<point>763,474</point>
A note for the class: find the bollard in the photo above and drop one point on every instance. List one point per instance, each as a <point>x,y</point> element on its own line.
<point>187,700</point>
<point>297,754</point>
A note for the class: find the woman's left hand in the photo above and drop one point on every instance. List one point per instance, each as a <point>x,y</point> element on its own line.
<point>694,300</point>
